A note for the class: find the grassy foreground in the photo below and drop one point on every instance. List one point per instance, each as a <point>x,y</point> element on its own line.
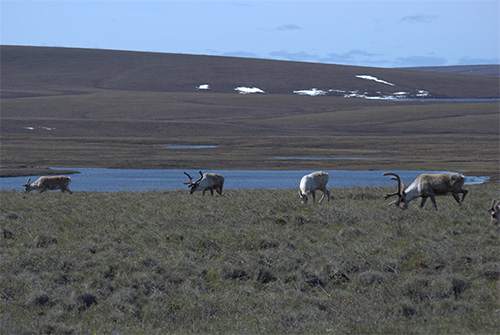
<point>250,262</point>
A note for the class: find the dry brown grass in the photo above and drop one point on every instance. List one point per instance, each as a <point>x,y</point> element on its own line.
<point>110,109</point>
<point>249,262</point>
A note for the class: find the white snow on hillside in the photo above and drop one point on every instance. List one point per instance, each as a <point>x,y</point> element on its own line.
<point>377,95</point>
<point>367,77</point>
<point>39,127</point>
<point>356,94</point>
<point>312,92</point>
<point>203,87</point>
<point>248,90</point>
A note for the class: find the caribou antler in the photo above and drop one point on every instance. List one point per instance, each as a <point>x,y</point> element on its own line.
<point>28,182</point>
<point>190,179</point>
<point>395,177</point>
<point>201,177</point>
<point>401,187</point>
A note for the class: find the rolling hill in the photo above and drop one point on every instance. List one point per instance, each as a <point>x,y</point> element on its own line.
<point>481,70</point>
<point>103,108</point>
<point>38,68</point>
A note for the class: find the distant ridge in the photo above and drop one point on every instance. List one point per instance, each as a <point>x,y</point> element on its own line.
<point>481,70</point>
<point>51,68</point>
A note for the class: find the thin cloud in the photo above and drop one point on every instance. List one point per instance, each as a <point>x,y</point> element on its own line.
<point>352,57</point>
<point>240,53</point>
<point>418,18</point>
<point>359,57</point>
<point>296,56</point>
<point>478,61</point>
<point>285,27</point>
<point>421,61</point>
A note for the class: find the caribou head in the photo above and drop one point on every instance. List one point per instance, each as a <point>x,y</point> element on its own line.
<point>193,186</point>
<point>27,186</point>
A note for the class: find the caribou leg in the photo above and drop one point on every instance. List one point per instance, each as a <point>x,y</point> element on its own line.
<point>464,192</point>
<point>433,199</point>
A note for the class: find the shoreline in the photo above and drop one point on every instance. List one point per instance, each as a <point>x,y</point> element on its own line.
<point>28,171</point>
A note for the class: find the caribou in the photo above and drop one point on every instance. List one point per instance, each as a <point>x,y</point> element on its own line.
<point>207,181</point>
<point>495,212</point>
<point>427,186</point>
<point>43,184</point>
<point>312,182</point>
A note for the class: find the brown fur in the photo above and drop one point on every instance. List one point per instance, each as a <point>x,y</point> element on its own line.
<point>441,184</point>
<point>429,186</point>
<point>49,183</point>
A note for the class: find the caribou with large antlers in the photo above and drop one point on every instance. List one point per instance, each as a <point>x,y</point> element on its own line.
<point>427,186</point>
<point>207,181</point>
<point>48,183</point>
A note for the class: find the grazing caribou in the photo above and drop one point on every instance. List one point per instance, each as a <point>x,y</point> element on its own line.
<point>495,212</point>
<point>207,181</point>
<point>312,182</point>
<point>48,183</point>
<point>427,186</point>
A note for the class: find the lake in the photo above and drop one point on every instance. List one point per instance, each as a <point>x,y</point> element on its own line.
<point>114,180</point>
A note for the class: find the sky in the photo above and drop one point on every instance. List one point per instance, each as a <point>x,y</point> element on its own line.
<point>391,33</point>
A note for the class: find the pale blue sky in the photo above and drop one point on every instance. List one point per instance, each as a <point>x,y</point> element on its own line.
<point>390,33</point>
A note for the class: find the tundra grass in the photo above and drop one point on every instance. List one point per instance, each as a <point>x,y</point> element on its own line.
<point>251,261</point>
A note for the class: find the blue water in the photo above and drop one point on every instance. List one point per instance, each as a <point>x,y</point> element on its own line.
<point>448,99</point>
<point>113,180</point>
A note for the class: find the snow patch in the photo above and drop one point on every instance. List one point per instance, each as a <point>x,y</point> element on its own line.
<point>422,93</point>
<point>39,127</point>
<point>356,94</point>
<point>312,92</point>
<point>248,90</point>
<point>368,77</point>
<point>203,87</point>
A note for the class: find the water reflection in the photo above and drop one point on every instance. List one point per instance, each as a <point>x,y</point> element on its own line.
<point>92,179</point>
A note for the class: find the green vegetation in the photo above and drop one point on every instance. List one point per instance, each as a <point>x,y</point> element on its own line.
<point>249,262</point>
